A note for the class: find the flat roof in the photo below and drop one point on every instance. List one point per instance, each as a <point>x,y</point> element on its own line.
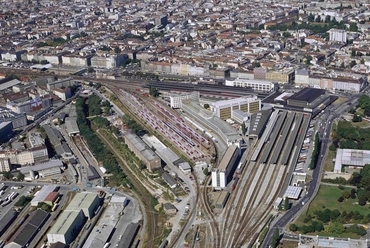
<point>293,192</point>
<point>307,95</point>
<point>71,124</point>
<point>27,231</point>
<point>44,166</point>
<point>128,236</point>
<point>8,218</point>
<point>231,102</point>
<point>65,221</point>
<point>82,200</point>
<point>230,152</point>
<point>43,193</point>
<point>351,157</point>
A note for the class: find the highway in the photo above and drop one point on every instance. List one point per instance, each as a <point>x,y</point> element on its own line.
<point>292,213</point>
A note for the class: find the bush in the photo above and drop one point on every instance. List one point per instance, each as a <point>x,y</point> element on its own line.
<point>341,187</point>
<point>341,199</point>
<point>293,227</point>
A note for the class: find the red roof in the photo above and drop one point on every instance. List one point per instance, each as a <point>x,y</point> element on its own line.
<point>52,196</point>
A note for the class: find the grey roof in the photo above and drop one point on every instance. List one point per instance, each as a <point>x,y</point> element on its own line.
<point>8,219</point>
<point>258,122</point>
<point>169,206</point>
<point>9,84</point>
<point>43,193</point>
<point>71,124</point>
<point>169,179</point>
<point>44,166</point>
<point>65,221</point>
<point>140,145</point>
<point>82,201</point>
<point>92,173</point>
<point>293,192</point>
<point>128,236</point>
<point>54,135</point>
<point>225,161</point>
<point>28,230</point>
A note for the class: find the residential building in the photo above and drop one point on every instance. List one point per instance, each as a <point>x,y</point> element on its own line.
<point>338,35</point>
<point>5,165</point>
<point>285,76</point>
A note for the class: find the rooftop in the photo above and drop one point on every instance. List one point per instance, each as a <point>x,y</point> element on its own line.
<point>307,95</point>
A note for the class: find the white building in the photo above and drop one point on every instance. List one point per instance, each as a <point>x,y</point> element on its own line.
<point>108,61</point>
<point>258,85</point>
<point>42,194</point>
<point>302,77</point>
<point>221,176</point>
<point>351,157</point>
<point>223,109</point>
<point>338,35</point>
<point>176,99</point>
<point>5,165</point>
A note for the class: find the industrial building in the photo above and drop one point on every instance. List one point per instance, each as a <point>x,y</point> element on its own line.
<point>66,82</point>
<point>169,180</point>
<point>223,109</point>
<point>176,99</point>
<point>57,140</point>
<point>257,85</point>
<point>50,168</point>
<point>67,227</point>
<point>73,217</point>
<point>85,201</point>
<point>31,226</point>
<point>351,157</point>
<point>18,120</point>
<point>72,127</point>
<point>128,237</point>
<point>142,151</point>
<point>7,220</point>
<point>222,175</point>
<point>42,194</point>
<point>222,198</point>
<point>293,192</point>
<point>118,201</point>
<point>35,139</point>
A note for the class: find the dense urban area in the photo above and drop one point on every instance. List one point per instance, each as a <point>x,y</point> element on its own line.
<point>172,123</point>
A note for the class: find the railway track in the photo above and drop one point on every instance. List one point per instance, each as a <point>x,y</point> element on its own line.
<point>215,231</point>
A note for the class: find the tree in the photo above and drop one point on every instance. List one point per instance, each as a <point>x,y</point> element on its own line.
<point>117,50</point>
<point>8,175</point>
<point>286,203</point>
<point>90,70</point>
<point>275,239</point>
<point>293,227</point>
<point>20,176</point>
<point>340,199</point>
<point>335,228</point>
<point>205,171</point>
<point>353,63</point>
<point>318,19</point>
<point>346,194</point>
<point>244,129</point>
<point>206,106</point>
<point>362,201</point>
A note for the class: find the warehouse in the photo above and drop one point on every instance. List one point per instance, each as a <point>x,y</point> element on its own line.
<point>71,125</point>
<point>129,235</point>
<point>169,180</point>
<point>25,234</point>
<point>142,151</point>
<point>222,175</point>
<point>7,220</point>
<point>42,194</point>
<point>50,168</point>
<point>351,157</point>
<point>67,226</point>
<point>87,202</point>
<point>118,201</point>
<point>221,201</point>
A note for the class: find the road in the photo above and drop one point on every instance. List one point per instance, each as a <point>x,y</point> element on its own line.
<point>317,173</point>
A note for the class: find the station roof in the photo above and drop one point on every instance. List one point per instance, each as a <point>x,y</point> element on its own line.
<point>307,95</point>
<point>293,192</point>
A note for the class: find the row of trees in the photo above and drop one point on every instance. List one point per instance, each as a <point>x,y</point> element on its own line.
<point>101,153</point>
<point>315,152</point>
